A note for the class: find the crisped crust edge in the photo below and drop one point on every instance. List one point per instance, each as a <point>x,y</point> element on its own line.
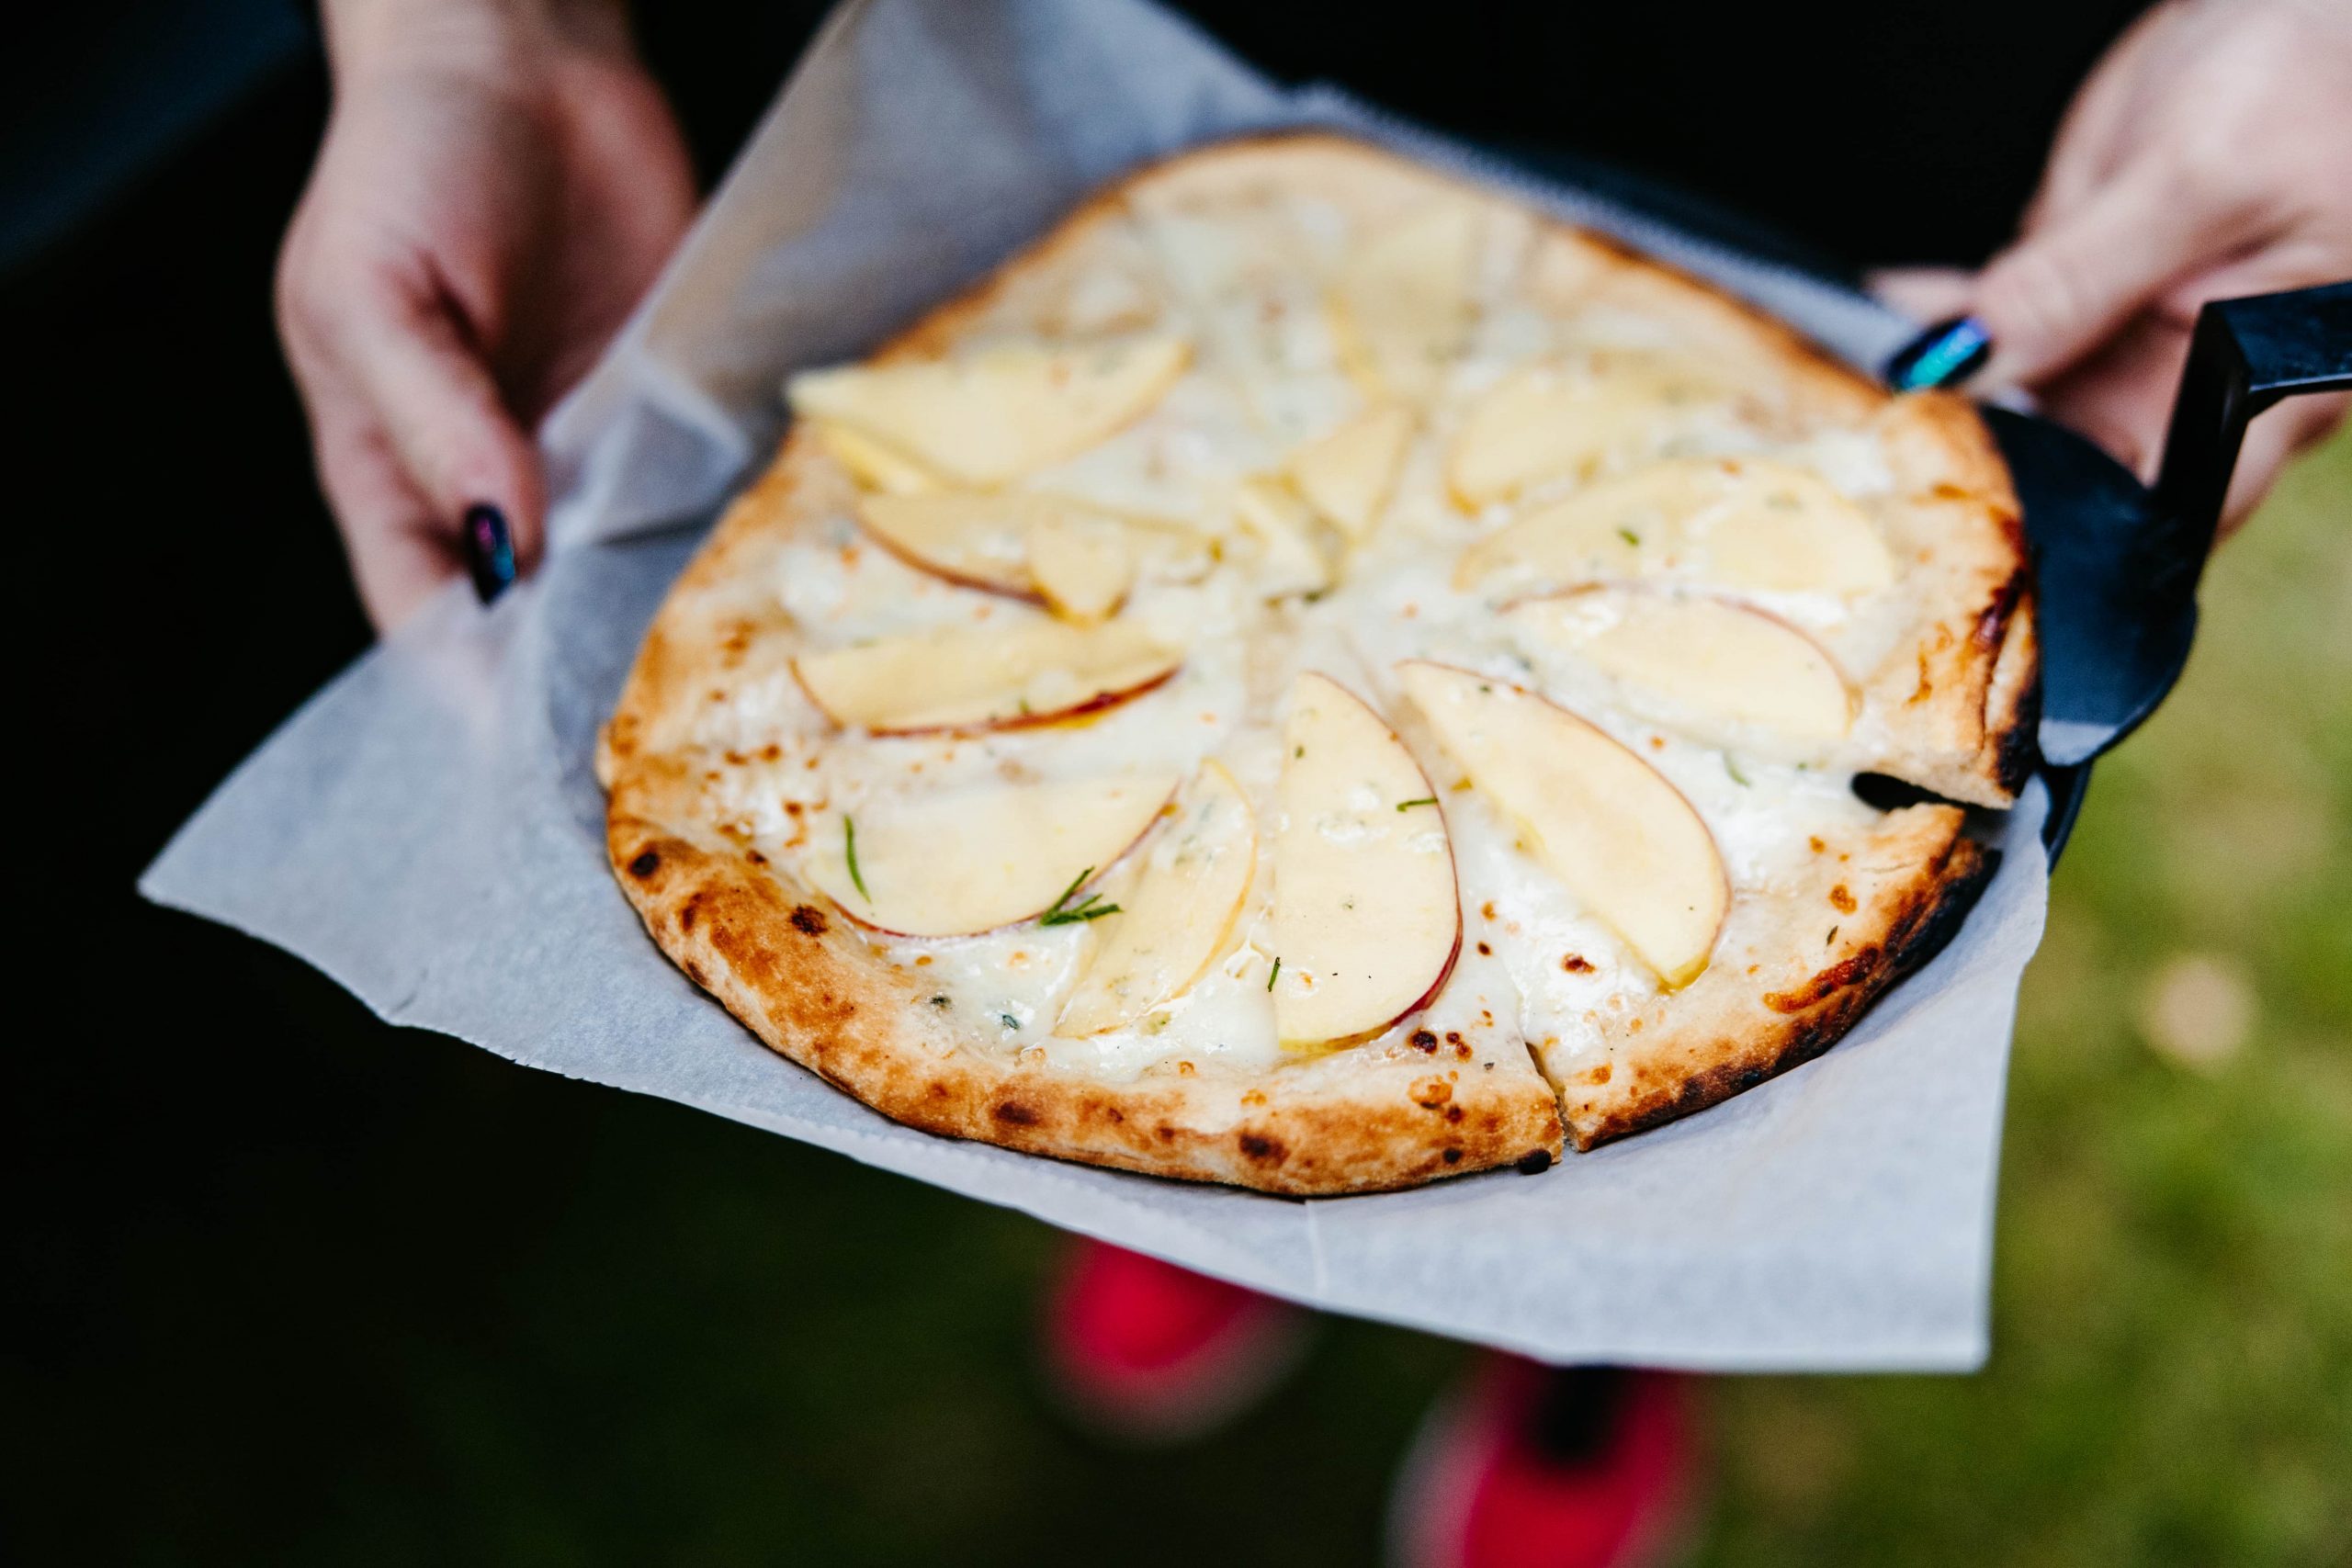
<point>1897,934</point>
<point>791,971</point>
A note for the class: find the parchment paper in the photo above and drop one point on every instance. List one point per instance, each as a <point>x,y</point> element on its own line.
<point>426,831</point>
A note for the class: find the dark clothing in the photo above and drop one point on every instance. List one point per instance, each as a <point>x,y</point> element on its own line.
<point>1896,131</point>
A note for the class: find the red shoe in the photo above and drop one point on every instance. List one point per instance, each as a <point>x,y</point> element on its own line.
<point>1150,1352</point>
<point>1533,1468</point>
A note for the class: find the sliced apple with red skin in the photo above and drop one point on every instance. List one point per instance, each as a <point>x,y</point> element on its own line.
<point>1367,919</point>
<point>1400,305</point>
<point>1077,560</point>
<point>989,417</point>
<point>1730,522</point>
<point>1622,839</point>
<point>989,677</point>
<point>1722,671</point>
<point>972,540</point>
<point>1175,917</point>
<point>977,859</point>
<point>1082,565</point>
<point>1548,421</point>
<point>1347,474</point>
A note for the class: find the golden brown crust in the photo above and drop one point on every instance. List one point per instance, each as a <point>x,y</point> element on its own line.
<point>1385,1115</point>
<point>1888,899</point>
<point>1960,718</point>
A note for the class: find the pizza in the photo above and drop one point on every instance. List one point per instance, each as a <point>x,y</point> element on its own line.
<point>1315,676</point>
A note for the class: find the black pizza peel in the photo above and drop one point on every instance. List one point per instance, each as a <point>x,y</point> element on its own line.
<point>2116,563</point>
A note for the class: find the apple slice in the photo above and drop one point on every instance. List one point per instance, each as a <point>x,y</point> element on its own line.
<point>1347,474</point>
<point>1781,528</point>
<point>1070,555</point>
<point>873,464</point>
<point>977,541</point>
<point>1291,559</point>
<point>1722,670</point>
<point>1367,919</point>
<point>1174,920</point>
<point>1400,305</point>
<point>1739,522</point>
<point>1083,565</point>
<point>973,860</point>
<point>1606,823</point>
<point>1034,672</point>
<point>989,417</point>
<point>1549,422</point>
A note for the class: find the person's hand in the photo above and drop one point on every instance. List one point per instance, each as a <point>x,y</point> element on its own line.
<point>499,184</point>
<point>2209,155</point>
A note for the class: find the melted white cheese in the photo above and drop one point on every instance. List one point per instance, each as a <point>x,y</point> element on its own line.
<point>1534,965</point>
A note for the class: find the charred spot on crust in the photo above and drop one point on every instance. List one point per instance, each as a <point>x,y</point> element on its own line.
<point>688,913</point>
<point>1577,963</point>
<point>1452,1157</point>
<point>1837,978</point>
<point>1884,792</point>
<point>1454,1113</point>
<point>1264,1149</point>
<point>808,921</point>
<point>646,862</point>
<point>2020,749</point>
<point>1422,1040</point>
<point>1993,623</point>
<point>1534,1162</point>
<point>1018,1114</point>
<point>694,973</point>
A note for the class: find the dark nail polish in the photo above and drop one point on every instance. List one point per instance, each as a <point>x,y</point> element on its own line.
<point>1944,355</point>
<point>490,551</point>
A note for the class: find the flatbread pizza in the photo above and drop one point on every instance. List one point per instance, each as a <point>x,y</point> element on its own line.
<point>1316,677</point>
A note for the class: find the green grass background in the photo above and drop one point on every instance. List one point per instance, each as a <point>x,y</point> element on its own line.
<point>445,1311</point>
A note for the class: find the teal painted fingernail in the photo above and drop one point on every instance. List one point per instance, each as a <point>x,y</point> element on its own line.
<point>490,551</point>
<point>1944,355</point>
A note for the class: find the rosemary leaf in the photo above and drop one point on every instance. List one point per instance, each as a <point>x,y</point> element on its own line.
<point>849,852</point>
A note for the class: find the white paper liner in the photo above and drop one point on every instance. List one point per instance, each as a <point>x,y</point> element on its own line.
<point>427,831</point>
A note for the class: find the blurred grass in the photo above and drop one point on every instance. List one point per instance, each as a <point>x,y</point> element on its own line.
<point>432,1308</point>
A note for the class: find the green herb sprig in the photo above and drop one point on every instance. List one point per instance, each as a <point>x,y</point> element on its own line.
<point>1065,913</point>
<point>849,853</point>
<point>1409,805</point>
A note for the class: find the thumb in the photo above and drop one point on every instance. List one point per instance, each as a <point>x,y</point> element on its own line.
<point>446,421</point>
<point>2063,289</point>
<point>1924,293</point>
